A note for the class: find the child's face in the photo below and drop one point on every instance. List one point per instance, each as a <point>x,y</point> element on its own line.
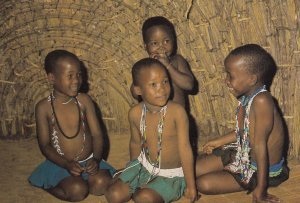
<point>66,77</point>
<point>239,80</point>
<point>154,87</point>
<point>159,41</point>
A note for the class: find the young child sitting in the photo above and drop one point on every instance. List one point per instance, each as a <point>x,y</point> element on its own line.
<point>162,165</point>
<point>160,42</point>
<point>69,135</point>
<point>254,159</point>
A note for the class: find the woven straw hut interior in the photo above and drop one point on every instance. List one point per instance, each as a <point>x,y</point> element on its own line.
<point>106,36</point>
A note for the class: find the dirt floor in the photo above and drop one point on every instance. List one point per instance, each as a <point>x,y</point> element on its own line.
<point>19,158</point>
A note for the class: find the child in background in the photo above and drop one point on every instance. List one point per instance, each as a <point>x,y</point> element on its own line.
<point>69,135</point>
<point>255,160</point>
<point>160,42</point>
<point>162,164</point>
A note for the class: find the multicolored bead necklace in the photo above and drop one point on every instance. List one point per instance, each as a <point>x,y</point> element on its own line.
<point>160,127</point>
<point>242,162</point>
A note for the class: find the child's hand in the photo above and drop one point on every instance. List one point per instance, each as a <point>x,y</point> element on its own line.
<point>74,168</point>
<point>162,57</point>
<point>258,196</point>
<point>191,194</point>
<point>92,167</point>
<point>210,146</point>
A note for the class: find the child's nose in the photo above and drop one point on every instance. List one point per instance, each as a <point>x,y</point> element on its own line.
<point>161,46</point>
<point>162,50</point>
<point>77,79</point>
<point>162,88</point>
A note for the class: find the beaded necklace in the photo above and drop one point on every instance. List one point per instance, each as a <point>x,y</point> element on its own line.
<point>81,119</point>
<point>242,163</point>
<point>58,125</point>
<point>160,126</point>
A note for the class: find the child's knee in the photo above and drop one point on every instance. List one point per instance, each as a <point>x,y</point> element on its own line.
<point>146,196</point>
<point>114,194</point>
<point>99,184</point>
<point>203,186</point>
<point>76,190</point>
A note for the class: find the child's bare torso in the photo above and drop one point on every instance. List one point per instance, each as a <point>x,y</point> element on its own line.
<point>63,131</point>
<point>169,153</point>
<point>275,141</point>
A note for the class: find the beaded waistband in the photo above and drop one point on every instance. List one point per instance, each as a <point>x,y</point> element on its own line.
<point>168,173</point>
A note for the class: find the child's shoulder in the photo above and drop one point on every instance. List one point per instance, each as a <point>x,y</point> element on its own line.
<point>84,98</point>
<point>263,99</point>
<point>180,62</point>
<point>178,58</point>
<point>42,103</point>
<point>137,108</point>
<point>135,111</point>
<point>43,107</point>
<point>175,108</point>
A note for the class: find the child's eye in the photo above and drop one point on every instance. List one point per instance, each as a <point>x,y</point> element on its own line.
<point>153,43</point>
<point>167,41</point>
<point>153,84</point>
<point>166,81</point>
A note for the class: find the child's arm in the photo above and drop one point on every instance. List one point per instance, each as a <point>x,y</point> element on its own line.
<point>185,152</point>
<point>181,76</point>
<point>96,132</point>
<point>263,108</point>
<point>135,140</point>
<point>220,141</point>
<point>43,134</point>
<point>178,69</point>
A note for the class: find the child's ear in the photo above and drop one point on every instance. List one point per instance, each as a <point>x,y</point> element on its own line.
<point>50,77</point>
<point>137,90</point>
<point>254,79</point>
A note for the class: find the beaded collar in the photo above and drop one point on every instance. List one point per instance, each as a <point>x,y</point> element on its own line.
<point>160,127</point>
<point>244,100</point>
<point>241,164</point>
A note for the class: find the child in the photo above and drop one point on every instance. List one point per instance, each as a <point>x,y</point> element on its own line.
<point>69,135</point>
<point>256,160</point>
<point>160,42</point>
<point>161,166</point>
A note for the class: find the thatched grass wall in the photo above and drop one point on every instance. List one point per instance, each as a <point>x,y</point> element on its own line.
<point>106,35</point>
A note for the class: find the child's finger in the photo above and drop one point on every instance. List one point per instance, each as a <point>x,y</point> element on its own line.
<point>75,171</point>
<point>154,55</point>
<point>206,145</point>
<point>79,167</point>
<point>272,198</point>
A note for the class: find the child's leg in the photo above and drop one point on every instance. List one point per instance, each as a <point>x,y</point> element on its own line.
<point>208,163</point>
<point>118,191</point>
<point>218,182</point>
<point>99,182</point>
<point>146,195</point>
<point>70,189</point>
